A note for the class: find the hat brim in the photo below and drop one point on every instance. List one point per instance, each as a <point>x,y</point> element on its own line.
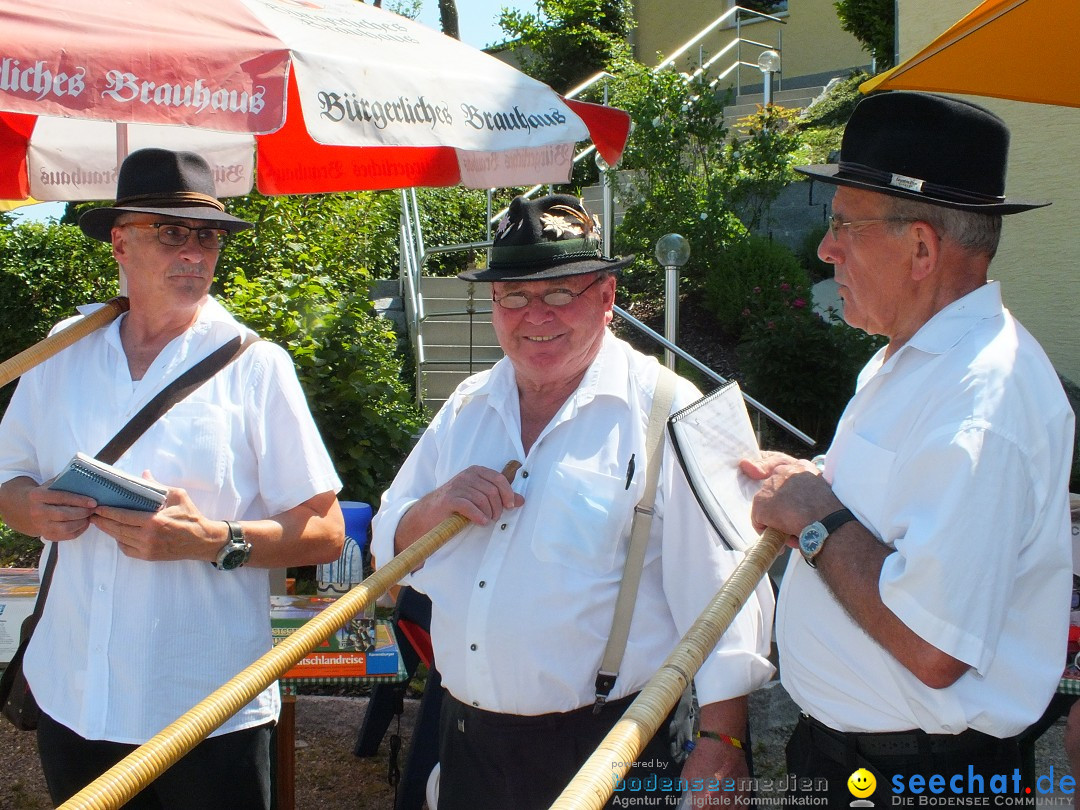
<point>97,223</point>
<point>831,173</point>
<point>540,272</point>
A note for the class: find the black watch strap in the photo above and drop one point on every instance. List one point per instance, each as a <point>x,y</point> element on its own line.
<point>836,519</point>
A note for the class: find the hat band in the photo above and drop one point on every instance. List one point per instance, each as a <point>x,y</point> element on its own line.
<point>914,184</point>
<point>509,255</point>
<point>175,199</point>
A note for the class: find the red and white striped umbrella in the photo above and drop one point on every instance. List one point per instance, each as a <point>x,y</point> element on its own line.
<point>297,96</point>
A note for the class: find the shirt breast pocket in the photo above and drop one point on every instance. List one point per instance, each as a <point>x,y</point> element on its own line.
<point>193,448</point>
<point>861,471</point>
<point>583,519</point>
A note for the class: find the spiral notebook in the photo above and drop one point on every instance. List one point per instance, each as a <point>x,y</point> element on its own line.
<point>108,485</point>
<point>710,437</point>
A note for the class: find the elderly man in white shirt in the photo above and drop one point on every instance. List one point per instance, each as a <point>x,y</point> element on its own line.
<point>149,612</point>
<point>523,599</point>
<point>923,626</point>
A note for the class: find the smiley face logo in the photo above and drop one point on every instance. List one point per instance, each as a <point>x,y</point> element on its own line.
<point>861,783</point>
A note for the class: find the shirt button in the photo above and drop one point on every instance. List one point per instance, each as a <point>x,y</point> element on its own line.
<point>472,647</point>
<point>483,583</point>
<point>476,703</point>
<point>525,474</point>
<point>503,527</point>
<point>101,588</point>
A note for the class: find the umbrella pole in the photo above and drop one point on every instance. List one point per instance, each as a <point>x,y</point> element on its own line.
<point>139,768</point>
<point>595,781</point>
<point>25,360</point>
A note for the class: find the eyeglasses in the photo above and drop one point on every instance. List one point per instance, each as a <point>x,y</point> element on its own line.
<point>174,235</point>
<point>836,222</point>
<point>553,298</point>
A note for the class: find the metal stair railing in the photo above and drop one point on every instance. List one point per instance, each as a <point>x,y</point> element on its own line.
<point>414,256</point>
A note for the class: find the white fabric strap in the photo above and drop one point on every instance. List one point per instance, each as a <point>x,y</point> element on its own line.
<point>663,396</point>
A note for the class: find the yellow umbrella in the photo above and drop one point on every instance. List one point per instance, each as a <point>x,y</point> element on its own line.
<point>1024,50</point>
<point>11,205</point>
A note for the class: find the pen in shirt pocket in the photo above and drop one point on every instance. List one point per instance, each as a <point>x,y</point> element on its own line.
<point>629,472</point>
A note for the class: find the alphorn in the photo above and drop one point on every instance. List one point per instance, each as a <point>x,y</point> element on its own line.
<point>594,783</point>
<point>139,768</point>
<point>16,366</point>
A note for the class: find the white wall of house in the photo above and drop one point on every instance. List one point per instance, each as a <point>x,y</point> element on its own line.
<point>1038,263</point>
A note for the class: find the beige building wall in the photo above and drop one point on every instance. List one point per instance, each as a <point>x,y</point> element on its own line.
<point>1037,261</point>
<point>812,41</point>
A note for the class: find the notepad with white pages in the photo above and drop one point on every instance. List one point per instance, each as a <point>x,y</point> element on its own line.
<point>109,485</point>
<point>710,436</point>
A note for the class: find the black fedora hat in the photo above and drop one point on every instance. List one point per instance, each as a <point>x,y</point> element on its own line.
<point>922,146</point>
<point>160,181</point>
<point>550,237</point>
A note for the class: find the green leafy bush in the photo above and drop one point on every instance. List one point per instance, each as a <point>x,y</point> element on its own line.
<point>808,256</point>
<point>683,173</point>
<point>804,368</point>
<point>751,280</point>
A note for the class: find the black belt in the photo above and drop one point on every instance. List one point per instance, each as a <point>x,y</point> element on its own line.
<point>840,745</point>
<point>613,709</point>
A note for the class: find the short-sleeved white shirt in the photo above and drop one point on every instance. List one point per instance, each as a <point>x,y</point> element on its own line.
<point>955,452</point>
<point>522,608</point>
<point>126,646</point>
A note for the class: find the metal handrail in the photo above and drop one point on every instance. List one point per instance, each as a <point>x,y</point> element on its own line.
<point>689,358</point>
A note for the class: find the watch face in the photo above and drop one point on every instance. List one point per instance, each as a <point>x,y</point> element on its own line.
<point>233,558</point>
<point>811,539</point>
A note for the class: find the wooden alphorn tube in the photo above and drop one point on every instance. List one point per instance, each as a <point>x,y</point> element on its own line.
<point>15,367</point>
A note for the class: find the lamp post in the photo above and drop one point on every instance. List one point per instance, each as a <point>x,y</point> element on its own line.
<point>769,62</point>
<point>672,251</point>
<point>608,213</point>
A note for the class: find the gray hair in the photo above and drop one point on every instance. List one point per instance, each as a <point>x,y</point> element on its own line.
<point>977,233</point>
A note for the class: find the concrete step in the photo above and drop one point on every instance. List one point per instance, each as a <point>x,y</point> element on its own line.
<point>455,331</point>
<point>434,352</point>
<point>439,306</point>
<point>441,384</point>
<point>452,287</point>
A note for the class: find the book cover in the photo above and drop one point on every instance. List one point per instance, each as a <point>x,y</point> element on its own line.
<point>710,436</point>
<point>109,485</point>
<point>363,648</point>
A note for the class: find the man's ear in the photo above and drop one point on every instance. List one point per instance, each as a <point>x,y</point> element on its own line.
<point>926,250</point>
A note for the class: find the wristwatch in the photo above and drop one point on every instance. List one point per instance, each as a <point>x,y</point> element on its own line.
<point>235,552</point>
<point>812,538</point>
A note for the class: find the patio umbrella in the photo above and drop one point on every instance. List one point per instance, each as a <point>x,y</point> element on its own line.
<point>322,95</point>
<point>1002,48</point>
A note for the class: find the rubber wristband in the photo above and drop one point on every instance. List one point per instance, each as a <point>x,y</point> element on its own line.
<point>724,738</point>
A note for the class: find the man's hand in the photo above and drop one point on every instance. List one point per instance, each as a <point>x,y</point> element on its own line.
<point>479,494</point>
<point>178,531</point>
<point>56,515</point>
<point>793,494</point>
<point>720,766</point>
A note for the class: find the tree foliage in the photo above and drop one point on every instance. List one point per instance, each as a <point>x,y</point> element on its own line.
<point>873,23</point>
<point>567,41</point>
<point>682,171</point>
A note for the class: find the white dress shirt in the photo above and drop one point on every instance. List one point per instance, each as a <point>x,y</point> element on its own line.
<point>522,608</point>
<point>955,452</point>
<point>125,646</point>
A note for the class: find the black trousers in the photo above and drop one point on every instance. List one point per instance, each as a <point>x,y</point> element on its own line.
<point>228,771</point>
<point>491,761</point>
<point>984,764</point>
